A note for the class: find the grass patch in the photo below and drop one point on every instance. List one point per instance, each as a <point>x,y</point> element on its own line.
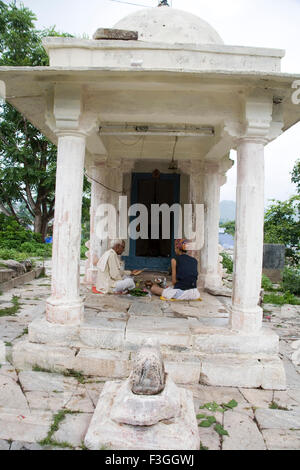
<point>57,419</point>
<point>286,299</point>
<point>25,332</point>
<point>274,406</point>
<point>66,373</point>
<point>13,310</point>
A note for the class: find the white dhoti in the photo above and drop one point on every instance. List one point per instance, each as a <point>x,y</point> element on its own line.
<point>178,294</point>
<point>126,284</point>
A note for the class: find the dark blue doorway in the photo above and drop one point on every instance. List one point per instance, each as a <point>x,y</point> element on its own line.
<point>147,189</point>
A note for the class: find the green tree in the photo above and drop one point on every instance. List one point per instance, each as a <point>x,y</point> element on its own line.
<point>296,175</point>
<point>27,158</point>
<point>282,225</point>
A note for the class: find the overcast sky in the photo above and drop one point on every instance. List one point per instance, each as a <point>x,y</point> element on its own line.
<point>261,23</point>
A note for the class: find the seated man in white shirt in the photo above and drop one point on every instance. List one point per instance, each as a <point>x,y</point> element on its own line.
<point>110,277</point>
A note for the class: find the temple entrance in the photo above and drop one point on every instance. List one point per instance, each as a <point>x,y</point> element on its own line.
<point>148,189</point>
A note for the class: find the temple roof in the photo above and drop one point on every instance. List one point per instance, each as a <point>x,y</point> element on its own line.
<point>170,26</point>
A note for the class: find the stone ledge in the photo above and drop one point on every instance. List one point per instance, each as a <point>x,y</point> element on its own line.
<point>229,342</point>
<point>20,280</point>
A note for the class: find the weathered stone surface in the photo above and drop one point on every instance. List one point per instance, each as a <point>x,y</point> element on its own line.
<point>278,439</point>
<point>73,429</point>
<point>178,434</point>
<point>289,311</point>
<point>116,34</point>
<point>2,352</point>
<point>18,445</point>
<point>222,291</point>
<point>17,267</point>
<point>57,358</point>
<point>144,309</point>
<point>296,357</point>
<point>4,445</point>
<point>16,425</point>
<point>148,372</point>
<point>44,332</point>
<point>103,333</point>
<point>225,341</point>
<point>107,303</point>
<point>46,382</point>
<point>11,395</point>
<point>141,410</point>
<point>278,419</point>
<point>183,370</point>
<point>48,401</point>
<point>243,433</point>
<point>167,331</point>
<point>245,371</point>
<point>258,398</point>
<point>103,363</point>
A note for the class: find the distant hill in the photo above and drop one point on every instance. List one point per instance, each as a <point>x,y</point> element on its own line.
<point>227,211</point>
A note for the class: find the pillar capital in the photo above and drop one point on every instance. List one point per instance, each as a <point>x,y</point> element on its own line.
<point>66,114</point>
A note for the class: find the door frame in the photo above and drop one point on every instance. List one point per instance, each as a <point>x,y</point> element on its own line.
<point>151,263</point>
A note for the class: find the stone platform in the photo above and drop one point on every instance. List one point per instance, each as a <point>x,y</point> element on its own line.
<point>196,343</point>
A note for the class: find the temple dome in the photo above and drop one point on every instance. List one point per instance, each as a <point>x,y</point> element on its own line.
<point>170,26</point>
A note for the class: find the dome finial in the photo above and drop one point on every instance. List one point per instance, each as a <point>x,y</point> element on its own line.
<point>163,3</point>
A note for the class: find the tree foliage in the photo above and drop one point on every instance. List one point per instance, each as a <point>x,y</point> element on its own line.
<point>296,175</point>
<point>27,157</point>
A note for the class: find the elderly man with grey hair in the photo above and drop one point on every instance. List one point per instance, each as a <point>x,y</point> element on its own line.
<point>110,277</point>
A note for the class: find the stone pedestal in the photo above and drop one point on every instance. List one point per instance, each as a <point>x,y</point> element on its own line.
<point>179,432</point>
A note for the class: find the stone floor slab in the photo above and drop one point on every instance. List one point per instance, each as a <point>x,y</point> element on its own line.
<point>11,395</point>
<point>278,439</point>
<point>278,419</point>
<point>243,433</point>
<point>257,398</point>
<point>167,331</point>
<point>73,429</point>
<point>46,382</point>
<point>16,425</point>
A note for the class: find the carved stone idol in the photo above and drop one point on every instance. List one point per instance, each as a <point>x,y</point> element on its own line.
<point>148,376</point>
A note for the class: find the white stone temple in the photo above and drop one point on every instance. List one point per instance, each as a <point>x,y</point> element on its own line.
<point>176,100</point>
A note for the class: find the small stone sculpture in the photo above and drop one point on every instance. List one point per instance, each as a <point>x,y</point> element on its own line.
<point>148,376</point>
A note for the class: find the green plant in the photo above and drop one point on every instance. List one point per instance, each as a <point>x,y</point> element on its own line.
<point>57,419</point>
<point>13,310</point>
<point>291,280</point>
<point>266,283</point>
<point>227,262</point>
<point>286,299</point>
<point>274,406</point>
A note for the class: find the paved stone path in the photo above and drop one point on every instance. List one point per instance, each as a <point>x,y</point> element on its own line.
<point>32,401</point>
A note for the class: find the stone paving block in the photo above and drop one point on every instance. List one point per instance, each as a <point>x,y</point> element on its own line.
<point>8,370</point>
<point>284,400</point>
<point>278,439</point>
<point>4,445</point>
<point>257,398</point>
<point>144,309</point>
<point>103,333</point>
<point>46,382</point>
<point>48,401</point>
<point>73,429</point>
<point>278,419</point>
<point>243,433</point>
<point>226,342</point>
<point>94,390</point>
<point>43,332</point>
<point>80,401</point>
<point>57,358</point>
<point>2,352</point>
<point>104,303</point>
<point>11,395</point>
<point>167,331</point>
<point>17,445</point>
<point>103,363</point>
<point>231,371</point>
<point>16,425</point>
<point>209,438</point>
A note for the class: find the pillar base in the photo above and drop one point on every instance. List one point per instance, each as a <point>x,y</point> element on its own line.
<point>211,282</point>
<point>246,320</point>
<point>69,313</point>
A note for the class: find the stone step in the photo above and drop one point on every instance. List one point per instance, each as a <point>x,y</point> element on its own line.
<point>186,367</point>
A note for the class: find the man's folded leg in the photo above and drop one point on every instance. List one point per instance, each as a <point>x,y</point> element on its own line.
<point>126,284</point>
